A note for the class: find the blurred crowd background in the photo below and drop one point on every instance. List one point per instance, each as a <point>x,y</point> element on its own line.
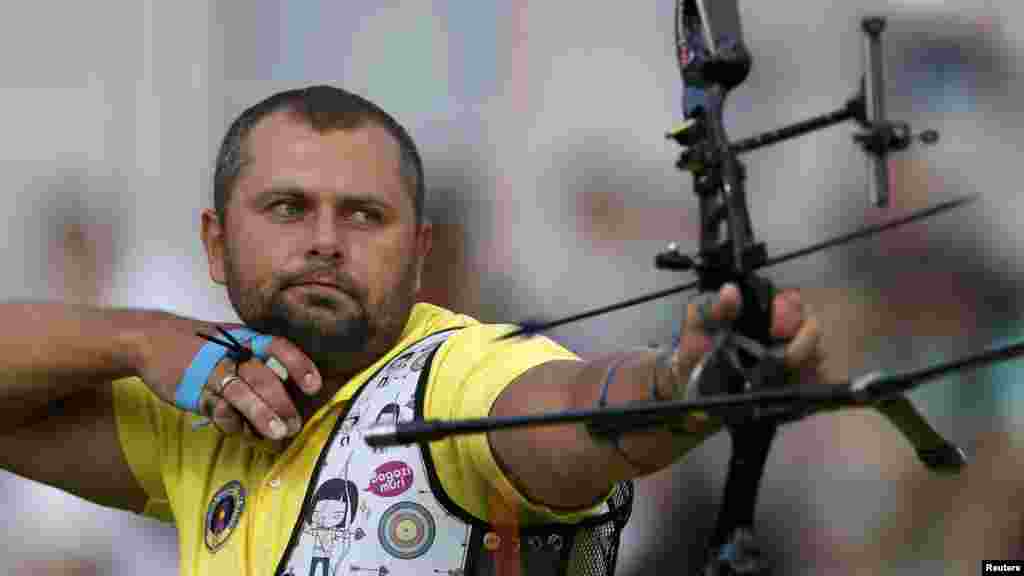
<point>552,187</point>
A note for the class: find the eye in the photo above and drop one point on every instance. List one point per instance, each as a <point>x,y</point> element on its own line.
<point>286,208</point>
<point>366,216</point>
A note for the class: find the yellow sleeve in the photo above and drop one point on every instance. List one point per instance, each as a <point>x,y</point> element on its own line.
<point>469,372</point>
<point>143,424</point>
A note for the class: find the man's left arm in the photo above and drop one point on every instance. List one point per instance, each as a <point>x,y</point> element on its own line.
<point>566,468</point>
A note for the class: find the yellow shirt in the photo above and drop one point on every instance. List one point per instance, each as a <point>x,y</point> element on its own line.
<point>181,468</point>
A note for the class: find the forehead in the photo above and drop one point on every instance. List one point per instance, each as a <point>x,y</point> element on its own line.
<point>284,150</point>
<point>331,504</point>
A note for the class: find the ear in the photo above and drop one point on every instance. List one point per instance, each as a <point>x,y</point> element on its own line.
<point>214,238</point>
<point>424,241</point>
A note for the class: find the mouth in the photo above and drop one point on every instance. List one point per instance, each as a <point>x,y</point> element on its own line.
<point>319,286</point>
<point>319,296</point>
<point>321,289</point>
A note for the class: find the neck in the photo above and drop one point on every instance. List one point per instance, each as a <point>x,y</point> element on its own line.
<point>308,405</point>
<point>334,378</point>
<point>338,369</point>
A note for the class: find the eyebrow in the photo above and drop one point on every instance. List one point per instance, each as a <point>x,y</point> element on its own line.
<point>289,190</point>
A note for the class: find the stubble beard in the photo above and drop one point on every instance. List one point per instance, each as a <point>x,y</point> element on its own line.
<point>340,344</point>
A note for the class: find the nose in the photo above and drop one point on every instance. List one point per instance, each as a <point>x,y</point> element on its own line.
<point>327,238</point>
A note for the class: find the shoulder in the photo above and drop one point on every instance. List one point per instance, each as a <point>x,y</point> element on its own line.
<point>478,342</point>
<point>473,366</point>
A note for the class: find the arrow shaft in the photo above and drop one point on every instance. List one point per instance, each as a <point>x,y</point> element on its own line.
<point>649,414</point>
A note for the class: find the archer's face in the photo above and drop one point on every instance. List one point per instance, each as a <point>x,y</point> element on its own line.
<point>320,245</point>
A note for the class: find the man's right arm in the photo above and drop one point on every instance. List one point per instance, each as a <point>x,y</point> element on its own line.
<point>57,422</point>
<point>57,416</point>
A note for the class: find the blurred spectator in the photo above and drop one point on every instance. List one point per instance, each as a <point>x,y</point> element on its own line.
<point>59,567</point>
<point>75,237</point>
<point>80,236</point>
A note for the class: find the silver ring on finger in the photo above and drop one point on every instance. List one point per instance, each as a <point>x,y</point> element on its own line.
<point>219,390</point>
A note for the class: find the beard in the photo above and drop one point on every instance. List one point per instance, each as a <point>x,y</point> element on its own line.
<point>337,331</point>
<point>320,327</point>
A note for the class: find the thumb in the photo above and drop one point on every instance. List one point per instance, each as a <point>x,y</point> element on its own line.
<point>706,314</point>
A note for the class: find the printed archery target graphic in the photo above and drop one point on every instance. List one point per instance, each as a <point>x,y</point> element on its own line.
<point>406,530</point>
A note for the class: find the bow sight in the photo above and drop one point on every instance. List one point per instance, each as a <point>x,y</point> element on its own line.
<point>745,384</point>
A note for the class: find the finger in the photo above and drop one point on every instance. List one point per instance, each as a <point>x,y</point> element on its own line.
<point>713,310</point>
<point>227,419</point>
<point>207,402</point>
<point>696,342</point>
<point>811,372</point>
<point>300,368</point>
<point>247,430</point>
<point>266,383</point>
<point>260,397</point>
<point>815,373</point>
<point>213,406</point>
<point>708,312</point>
<point>804,346</point>
<point>788,312</point>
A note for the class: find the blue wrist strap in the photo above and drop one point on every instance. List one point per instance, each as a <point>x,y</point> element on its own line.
<point>190,388</point>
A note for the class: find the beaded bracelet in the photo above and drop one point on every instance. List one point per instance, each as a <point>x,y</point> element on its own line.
<point>612,437</point>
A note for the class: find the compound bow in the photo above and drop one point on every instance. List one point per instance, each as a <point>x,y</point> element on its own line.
<point>742,382</point>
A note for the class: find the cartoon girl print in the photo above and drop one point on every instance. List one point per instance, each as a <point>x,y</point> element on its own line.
<point>331,521</point>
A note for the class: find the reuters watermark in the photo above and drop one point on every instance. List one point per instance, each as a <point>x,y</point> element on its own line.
<point>1002,567</point>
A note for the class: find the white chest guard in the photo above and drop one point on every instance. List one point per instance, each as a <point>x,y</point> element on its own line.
<point>377,512</point>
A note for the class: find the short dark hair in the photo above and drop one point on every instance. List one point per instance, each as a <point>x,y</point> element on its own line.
<point>324,108</point>
<point>337,489</point>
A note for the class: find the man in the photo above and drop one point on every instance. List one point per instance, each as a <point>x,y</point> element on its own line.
<point>318,235</point>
